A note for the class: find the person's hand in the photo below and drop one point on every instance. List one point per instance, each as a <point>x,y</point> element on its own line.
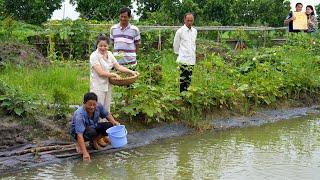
<point>135,73</point>
<point>86,156</point>
<point>293,18</point>
<point>116,123</point>
<point>115,75</point>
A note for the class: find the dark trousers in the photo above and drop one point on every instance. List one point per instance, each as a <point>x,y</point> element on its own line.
<point>185,76</point>
<point>90,133</point>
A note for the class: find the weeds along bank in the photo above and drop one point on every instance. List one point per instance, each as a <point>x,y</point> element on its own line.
<point>239,82</point>
<point>76,39</point>
<point>223,79</point>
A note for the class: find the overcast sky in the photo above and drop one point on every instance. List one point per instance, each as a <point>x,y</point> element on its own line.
<point>70,12</point>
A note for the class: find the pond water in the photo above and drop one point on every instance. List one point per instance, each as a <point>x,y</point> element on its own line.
<point>284,150</point>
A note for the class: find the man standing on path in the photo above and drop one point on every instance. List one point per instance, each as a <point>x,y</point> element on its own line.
<point>126,39</point>
<point>290,18</point>
<point>185,46</point>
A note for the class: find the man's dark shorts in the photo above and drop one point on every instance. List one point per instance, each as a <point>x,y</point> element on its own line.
<point>90,133</point>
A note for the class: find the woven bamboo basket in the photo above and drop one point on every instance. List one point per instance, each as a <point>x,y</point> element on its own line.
<point>123,81</point>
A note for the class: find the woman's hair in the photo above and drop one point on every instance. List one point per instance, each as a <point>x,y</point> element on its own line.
<point>101,37</point>
<point>89,96</point>
<point>309,6</point>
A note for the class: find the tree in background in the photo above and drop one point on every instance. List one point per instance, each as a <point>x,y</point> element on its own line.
<point>226,12</point>
<point>30,11</point>
<point>260,12</point>
<point>191,6</point>
<point>1,9</point>
<point>217,10</point>
<point>167,12</point>
<point>273,12</point>
<point>146,7</point>
<point>245,12</point>
<point>317,8</point>
<point>162,12</point>
<point>100,10</point>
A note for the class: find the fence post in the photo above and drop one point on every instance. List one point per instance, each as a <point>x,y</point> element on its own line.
<point>264,37</point>
<point>159,42</point>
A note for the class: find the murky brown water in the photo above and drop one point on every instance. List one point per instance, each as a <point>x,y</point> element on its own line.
<point>284,150</point>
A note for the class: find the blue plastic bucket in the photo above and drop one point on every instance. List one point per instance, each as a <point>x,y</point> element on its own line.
<point>117,136</point>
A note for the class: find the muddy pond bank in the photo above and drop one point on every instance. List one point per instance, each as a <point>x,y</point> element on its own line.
<point>29,155</point>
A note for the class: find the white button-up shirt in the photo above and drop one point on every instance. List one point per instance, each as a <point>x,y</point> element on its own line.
<point>98,83</point>
<point>185,45</point>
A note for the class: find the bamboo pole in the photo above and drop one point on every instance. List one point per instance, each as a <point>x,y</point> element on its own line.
<point>58,150</point>
<point>90,152</point>
<point>39,149</point>
<point>264,38</point>
<point>159,43</point>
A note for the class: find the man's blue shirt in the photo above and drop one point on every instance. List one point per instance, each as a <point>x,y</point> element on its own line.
<point>81,120</point>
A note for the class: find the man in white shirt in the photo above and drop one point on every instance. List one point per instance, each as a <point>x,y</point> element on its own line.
<point>185,46</point>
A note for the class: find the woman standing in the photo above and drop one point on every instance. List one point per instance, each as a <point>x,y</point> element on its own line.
<point>312,20</point>
<point>101,62</point>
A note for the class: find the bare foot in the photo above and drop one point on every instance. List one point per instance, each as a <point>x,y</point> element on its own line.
<point>106,139</point>
<point>102,143</point>
<point>78,149</point>
<point>96,145</point>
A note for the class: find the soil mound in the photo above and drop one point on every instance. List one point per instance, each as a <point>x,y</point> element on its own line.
<point>21,54</point>
<point>15,131</point>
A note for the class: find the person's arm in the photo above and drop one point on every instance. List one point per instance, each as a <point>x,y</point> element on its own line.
<point>312,21</point>
<point>103,73</point>
<point>83,148</point>
<point>121,68</point>
<point>105,114</point>
<point>176,42</point>
<point>289,18</point>
<point>111,36</point>
<point>125,70</point>
<point>286,21</point>
<point>196,41</point>
<point>315,22</point>
<point>112,120</point>
<point>96,66</point>
<point>79,126</point>
<point>137,40</point>
<point>137,46</point>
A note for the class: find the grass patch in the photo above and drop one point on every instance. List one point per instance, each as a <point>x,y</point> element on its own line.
<point>40,82</point>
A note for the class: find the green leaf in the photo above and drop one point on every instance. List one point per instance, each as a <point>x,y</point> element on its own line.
<point>243,87</point>
<point>6,103</point>
<point>149,112</point>
<point>19,111</point>
<point>3,98</point>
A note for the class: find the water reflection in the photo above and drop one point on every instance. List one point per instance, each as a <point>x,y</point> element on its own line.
<point>285,150</point>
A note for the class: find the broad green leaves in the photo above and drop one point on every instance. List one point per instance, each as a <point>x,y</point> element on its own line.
<point>14,103</point>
